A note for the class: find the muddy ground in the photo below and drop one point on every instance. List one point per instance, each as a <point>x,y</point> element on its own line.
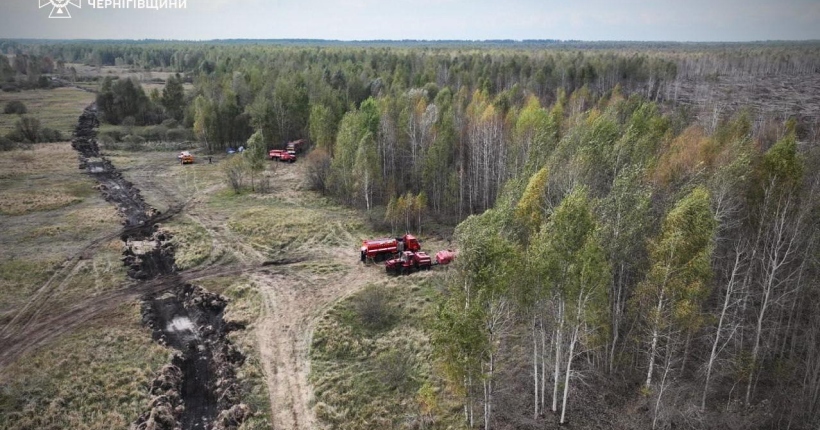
<point>198,389</point>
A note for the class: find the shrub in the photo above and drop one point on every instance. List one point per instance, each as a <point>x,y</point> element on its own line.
<point>15,107</point>
<point>170,123</point>
<point>27,129</point>
<point>6,144</point>
<point>155,134</point>
<point>111,136</point>
<point>133,142</point>
<point>318,170</point>
<point>11,88</point>
<point>373,308</point>
<point>235,170</point>
<point>395,369</point>
<point>50,135</point>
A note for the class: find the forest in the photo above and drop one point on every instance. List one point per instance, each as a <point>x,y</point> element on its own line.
<point>626,255</point>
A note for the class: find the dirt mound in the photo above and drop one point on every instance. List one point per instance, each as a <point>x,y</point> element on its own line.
<point>190,320</point>
<point>198,390</point>
<point>166,405</point>
<point>149,258</point>
<point>85,135</point>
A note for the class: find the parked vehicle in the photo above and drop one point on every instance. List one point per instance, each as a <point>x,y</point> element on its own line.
<point>409,261</point>
<point>284,156</point>
<point>185,157</point>
<point>379,249</point>
<point>296,146</point>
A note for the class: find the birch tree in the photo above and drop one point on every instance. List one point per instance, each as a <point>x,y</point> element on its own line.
<point>679,274</point>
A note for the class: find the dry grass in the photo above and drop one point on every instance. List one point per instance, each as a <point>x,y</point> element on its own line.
<point>96,378</point>
<point>282,229</point>
<point>193,243</point>
<point>378,376</point>
<point>58,108</point>
<point>44,158</point>
<point>19,278</point>
<point>26,201</point>
<point>246,306</point>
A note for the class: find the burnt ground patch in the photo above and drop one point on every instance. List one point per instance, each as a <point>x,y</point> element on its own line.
<point>198,389</point>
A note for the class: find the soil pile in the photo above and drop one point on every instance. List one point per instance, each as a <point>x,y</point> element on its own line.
<point>198,390</point>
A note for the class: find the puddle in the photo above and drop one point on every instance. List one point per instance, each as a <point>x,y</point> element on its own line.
<point>180,324</point>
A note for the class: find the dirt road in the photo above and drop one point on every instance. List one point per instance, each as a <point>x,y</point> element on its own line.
<point>294,302</point>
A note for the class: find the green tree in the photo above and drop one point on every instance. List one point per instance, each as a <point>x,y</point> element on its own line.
<point>366,168</point>
<point>205,122</point>
<point>570,267</point>
<point>420,207</point>
<point>173,97</point>
<point>255,156</point>
<point>322,127</point>
<point>625,215</point>
<point>532,208</point>
<point>679,275</point>
<point>474,321</point>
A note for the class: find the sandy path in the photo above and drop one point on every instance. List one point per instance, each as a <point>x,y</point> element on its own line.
<point>293,305</point>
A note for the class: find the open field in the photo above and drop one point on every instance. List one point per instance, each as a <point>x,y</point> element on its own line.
<point>221,227</point>
<point>56,108</point>
<point>50,214</point>
<point>50,211</point>
<point>50,217</point>
<point>67,385</point>
<point>148,78</point>
<point>372,359</point>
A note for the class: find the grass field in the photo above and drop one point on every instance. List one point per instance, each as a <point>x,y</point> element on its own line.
<point>96,377</point>
<point>49,210</point>
<point>57,108</point>
<point>358,381</point>
<point>371,360</point>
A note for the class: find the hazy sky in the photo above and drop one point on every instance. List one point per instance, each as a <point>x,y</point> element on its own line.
<point>680,20</point>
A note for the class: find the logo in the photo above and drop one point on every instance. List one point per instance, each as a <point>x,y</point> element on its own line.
<point>59,8</point>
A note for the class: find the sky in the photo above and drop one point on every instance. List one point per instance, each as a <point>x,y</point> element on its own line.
<point>650,20</point>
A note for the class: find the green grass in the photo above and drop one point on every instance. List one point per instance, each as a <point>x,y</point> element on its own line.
<point>193,244</point>
<point>245,305</point>
<point>376,373</point>
<point>69,385</point>
<point>57,108</point>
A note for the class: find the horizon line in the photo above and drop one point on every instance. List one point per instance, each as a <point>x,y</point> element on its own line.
<point>469,41</point>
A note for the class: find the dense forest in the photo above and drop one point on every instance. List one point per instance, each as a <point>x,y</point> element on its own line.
<point>611,239</point>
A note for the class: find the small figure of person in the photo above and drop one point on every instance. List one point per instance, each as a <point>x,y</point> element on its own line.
<point>209,160</point>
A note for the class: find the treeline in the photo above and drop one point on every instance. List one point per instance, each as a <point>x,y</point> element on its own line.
<point>124,101</point>
<point>630,251</point>
<point>25,71</point>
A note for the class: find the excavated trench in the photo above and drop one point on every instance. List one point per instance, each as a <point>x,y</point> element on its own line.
<point>198,389</point>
